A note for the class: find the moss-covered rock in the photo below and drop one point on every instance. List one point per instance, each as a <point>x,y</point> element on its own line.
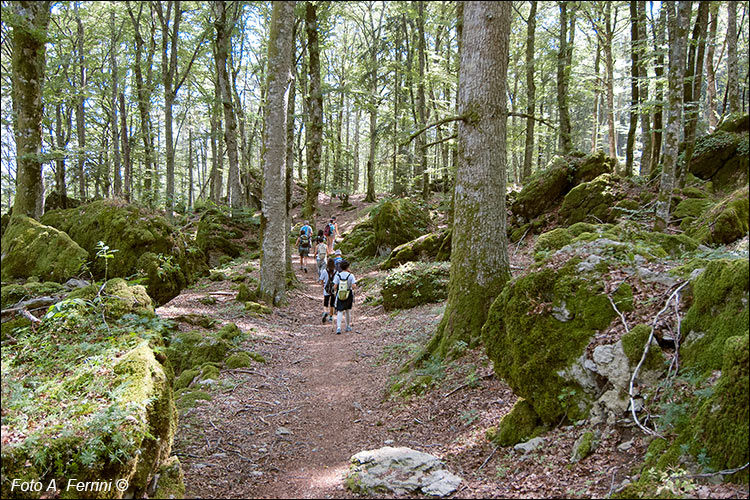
<point>584,446</point>
<point>553,240</point>
<point>188,398</point>
<point>30,248</point>
<point>12,293</point>
<point>537,329</point>
<point>389,224</point>
<point>592,200</point>
<point>545,189</point>
<point>202,320</point>
<point>145,242</point>
<point>220,235</point>
<point>722,422</point>
<point>722,157</point>
<point>425,248</point>
<point>414,284</point>
<point>256,308</point>
<point>171,480</point>
<point>121,298</point>
<point>521,424</point>
<point>634,343</point>
<point>719,311</point>
<point>230,332</point>
<point>239,360</point>
<point>55,200</point>
<point>725,222</point>
<point>689,209</point>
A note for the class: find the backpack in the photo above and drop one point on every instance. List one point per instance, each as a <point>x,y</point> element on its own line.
<point>327,230</point>
<point>329,284</point>
<point>337,264</point>
<point>321,251</point>
<point>343,293</point>
<point>304,240</point>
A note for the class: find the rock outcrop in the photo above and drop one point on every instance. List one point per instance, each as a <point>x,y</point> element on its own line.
<point>415,283</point>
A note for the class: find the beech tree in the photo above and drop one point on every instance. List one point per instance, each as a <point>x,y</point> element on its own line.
<point>273,215</point>
<point>479,257</point>
<point>29,23</point>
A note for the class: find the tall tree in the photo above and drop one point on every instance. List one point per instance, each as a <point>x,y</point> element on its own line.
<point>530,94</point>
<point>478,255</point>
<point>641,49</point>
<point>273,215</point>
<point>113,104</point>
<point>609,63</point>
<point>659,29</point>
<point>679,22</point>
<point>29,23</point>
<point>314,126</point>
<point>733,83</point>
<point>422,178</point>
<point>225,17</point>
<point>80,105</point>
<point>564,61</point>
<point>634,88</point>
<point>692,87</point>
<point>713,118</point>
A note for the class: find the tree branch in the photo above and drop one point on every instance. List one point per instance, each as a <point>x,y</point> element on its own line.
<point>431,125</point>
<point>524,115</point>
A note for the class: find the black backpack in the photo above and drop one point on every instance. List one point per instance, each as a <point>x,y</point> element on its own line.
<point>329,284</point>
<point>304,240</point>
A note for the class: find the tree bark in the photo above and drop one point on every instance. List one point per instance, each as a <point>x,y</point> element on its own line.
<point>610,65</point>
<point>634,89</point>
<point>356,150</point>
<point>273,215</point>
<point>733,83</point>
<point>713,118</point>
<point>479,257</point>
<point>423,180</point>
<point>563,76</point>
<point>597,98</point>
<point>127,164</point>
<point>115,125</point>
<point>692,87</point>
<point>528,150</point>
<point>646,154</point>
<point>678,20</point>
<point>314,128</point>
<point>223,25</point>
<point>659,41</point>
<point>80,107</point>
<point>29,23</point>
<point>217,153</point>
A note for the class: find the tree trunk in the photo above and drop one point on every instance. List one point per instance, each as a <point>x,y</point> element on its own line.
<point>370,196</point>
<point>289,177</point>
<point>692,87</point>
<point>646,154</point>
<point>713,118</point>
<point>190,169</point>
<point>29,22</point>
<point>127,164</point>
<point>223,25</point>
<point>610,65</point>
<point>314,128</point>
<point>634,94</point>
<point>563,74</point>
<point>423,180</point>
<point>80,107</point>
<point>733,83</point>
<point>273,218</point>
<point>356,151</point>
<point>528,150</point>
<point>678,28</point>
<point>659,40</point>
<point>597,98</point>
<point>479,257</point>
<point>115,124</point>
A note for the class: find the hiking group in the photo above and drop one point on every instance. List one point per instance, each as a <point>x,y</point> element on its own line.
<point>333,272</point>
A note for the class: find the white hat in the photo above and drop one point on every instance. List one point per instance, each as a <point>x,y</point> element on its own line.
<point>337,252</point>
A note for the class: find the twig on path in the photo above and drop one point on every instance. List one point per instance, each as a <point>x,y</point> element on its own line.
<point>467,384</point>
<point>612,484</point>
<point>222,293</point>
<point>214,426</point>
<point>282,412</point>
<point>261,419</point>
<point>488,458</point>
<point>240,455</point>
<point>242,370</point>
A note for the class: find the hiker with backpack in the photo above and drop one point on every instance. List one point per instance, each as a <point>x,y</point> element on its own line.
<point>326,277</point>
<point>321,253</point>
<point>344,282</point>
<point>330,231</point>
<point>337,260</point>
<point>303,245</point>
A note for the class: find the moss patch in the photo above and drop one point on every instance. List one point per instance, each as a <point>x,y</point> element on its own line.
<point>171,482</point>
<point>413,284</point>
<point>726,222</point>
<point>633,344</point>
<point>33,249</point>
<point>239,360</point>
<point>220,236</point>
<point>521,424</point>
<point>593,199</point>
<point>424,248</point>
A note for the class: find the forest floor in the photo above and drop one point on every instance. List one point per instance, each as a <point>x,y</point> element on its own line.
<point>288,427</point>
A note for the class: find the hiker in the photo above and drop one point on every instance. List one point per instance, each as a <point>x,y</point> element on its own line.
<point>308,229</point>
<point>337,260</point>
<point>330,233</point>
<point>344,283</point>
<point>326,278</point>
<point>303,245</point>
<point>321,253</point>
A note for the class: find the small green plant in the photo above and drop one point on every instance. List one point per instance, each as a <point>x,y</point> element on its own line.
<point>167,265</point>
<point>468,417</point>
<point>673,481</point>
<point>501,472</point>
<point>104,252</point>
<point>566,398</point>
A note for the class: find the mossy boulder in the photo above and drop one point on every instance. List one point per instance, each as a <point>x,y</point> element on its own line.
<point>722,421</point>
<point>145,242</point>
<point>592,200</point>
<point>415,283</point>
<point>239,360</point>
<point>256,308</point>
<point>389,224</point>
<point>634,343</point>
<point>725,222</point>
<point>521,424</point>
<point>170,480</point>
<point>538,328</point>
<point>56,200</point>
<point>121,298</point>
<point>220,235</point>
<point>690,209</point>
<point>722,157</point>
<point>4,221</point>
<point>13,293</point>
<point>428,247</point>
<point>553,240</point>
<point>546,189</point>
<point>30,248</point>
<point>719,311</point>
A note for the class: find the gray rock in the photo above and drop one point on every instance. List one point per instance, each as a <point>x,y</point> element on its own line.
<point>589,264</point>
<point>76,283</point>
<point>582,372</point>
<point>611,362</point>
<point>283,431</point>
<point>530,445</point>
<point>561,313</point>
<point>650,276</point>
<point>399,471</point>
<point>625,446</point>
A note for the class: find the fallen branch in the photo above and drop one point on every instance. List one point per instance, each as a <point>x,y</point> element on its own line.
<point>643,359</point>
<point>518,245</point>
<point>726,472</point>
<point>222,293</point>
<point>26,314</point>
<point>467,384</point>
<point>488,458</point>
<point>33,304</point>
<point>282,412</point>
